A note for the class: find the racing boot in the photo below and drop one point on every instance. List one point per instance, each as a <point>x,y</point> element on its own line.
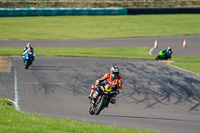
<point>113,100</point>
<point>91,93</point>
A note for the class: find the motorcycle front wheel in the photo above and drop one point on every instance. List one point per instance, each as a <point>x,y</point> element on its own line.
<point>26,64</point>
<point>100,105</point>
<point>91,111</point>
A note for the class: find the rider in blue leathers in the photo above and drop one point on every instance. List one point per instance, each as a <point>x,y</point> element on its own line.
<point>29,47</point>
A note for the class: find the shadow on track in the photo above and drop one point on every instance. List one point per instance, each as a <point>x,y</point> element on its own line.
<point>161,86</point>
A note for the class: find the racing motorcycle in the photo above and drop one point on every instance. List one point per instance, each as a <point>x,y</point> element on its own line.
<point>104,93</point>
<point>164,55</point>
<point>28,59</point>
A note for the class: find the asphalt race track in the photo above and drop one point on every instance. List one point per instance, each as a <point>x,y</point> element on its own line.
<point>156,96</point>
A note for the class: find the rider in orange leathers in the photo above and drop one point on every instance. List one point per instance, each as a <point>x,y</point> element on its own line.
<point>112,77</point>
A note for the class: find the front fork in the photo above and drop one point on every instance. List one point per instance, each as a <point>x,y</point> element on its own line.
<point>95,99</point>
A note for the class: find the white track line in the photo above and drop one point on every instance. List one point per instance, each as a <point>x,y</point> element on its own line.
<point>10,100</point>
<point>15,86</point>
<point>183,69</point>
<point>151,51</point>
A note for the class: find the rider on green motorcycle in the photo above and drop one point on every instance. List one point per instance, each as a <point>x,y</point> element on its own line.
<point>163,54</point>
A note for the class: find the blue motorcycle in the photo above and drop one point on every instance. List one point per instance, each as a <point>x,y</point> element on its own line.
<point>28,59</point>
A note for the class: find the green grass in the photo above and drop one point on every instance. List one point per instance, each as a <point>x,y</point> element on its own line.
<point>13,121</point>
<point>125,52</point>
<point>80,27</point>
<point>189,63</point>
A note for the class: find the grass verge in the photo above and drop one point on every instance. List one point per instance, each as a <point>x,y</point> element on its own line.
<point>188,63</point>
<point>19,122</point>
<point>104,52</point>
<point>82,27</point>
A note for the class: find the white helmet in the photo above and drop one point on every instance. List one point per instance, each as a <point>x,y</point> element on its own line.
<point>28,45</point>
<point>169,48</point>
<point>114,71</point>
